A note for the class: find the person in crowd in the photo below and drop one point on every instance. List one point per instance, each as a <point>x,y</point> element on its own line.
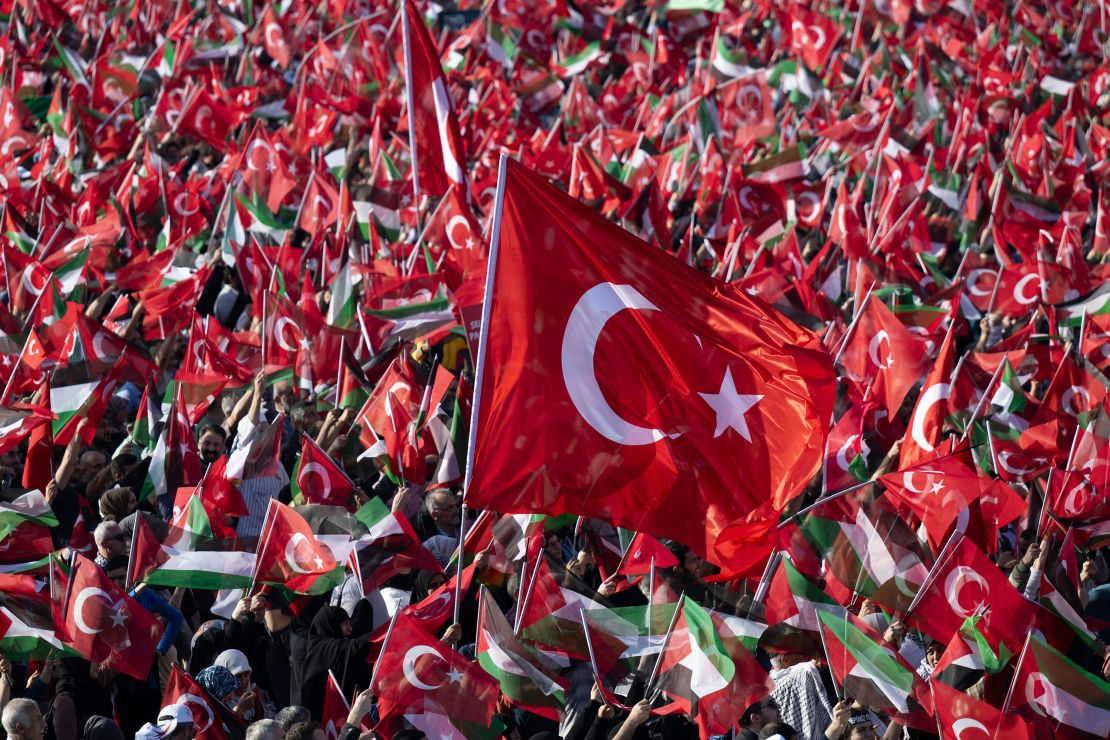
<point>22,720</point>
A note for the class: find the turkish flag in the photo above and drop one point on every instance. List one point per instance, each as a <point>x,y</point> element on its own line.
<point>643,551</point>
<point>964,581</point>
<point>959,715</point>
<point>936,491</point>
<point>884,354</point>
<point>100,621</point>
<point>212,720</point>
<point>418,673</point>
<point>931,409</point>
<point>441,161</point>
<point>273,37</point>
<point>318,479</point>
<point>336,709</point>
<point>622,385</point>
<point>289,555</point>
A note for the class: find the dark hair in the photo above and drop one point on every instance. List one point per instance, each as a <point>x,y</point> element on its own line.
<point>778,728</point>
<point>302,731</point>
<point>216,429</point>
<point>116,561</point>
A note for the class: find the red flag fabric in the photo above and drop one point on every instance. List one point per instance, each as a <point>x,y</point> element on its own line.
<point>318,479</point>
<point>643,550</point>
<point>439,163</point>
<point>963,581</point>
<point>723,404</point>
<point>418,673</point>
<point>101,621</point>
<point>884,354</point>
<point>927,420</point>
<point>289,555</point>
<point>960,715</point>
<point>210,720</point>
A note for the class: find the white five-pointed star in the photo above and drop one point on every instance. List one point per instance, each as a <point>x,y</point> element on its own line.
<point>118,618</point>
<point>936,488</point>
<point>731,407</point>
<point>454,676</point>
<point>319,562</point>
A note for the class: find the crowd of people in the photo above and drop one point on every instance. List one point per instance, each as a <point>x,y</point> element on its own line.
<point>248,255</point>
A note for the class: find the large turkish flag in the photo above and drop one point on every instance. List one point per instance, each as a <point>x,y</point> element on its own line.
<point>621,384</point>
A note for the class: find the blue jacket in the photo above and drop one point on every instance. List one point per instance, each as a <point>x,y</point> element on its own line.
<point>155,604</point>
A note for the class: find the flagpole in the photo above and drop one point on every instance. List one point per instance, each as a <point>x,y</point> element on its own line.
<point>768,574</point>
<point>405,31</point>
<point>941,561</point>
<point>528,592</point>
<point>651,592</point>
<point>825,649</point>
<point>385,644</point>
<point>1017,669</point>
<point>851,327</point>
<point>979,406</point>
<point>825,500</point>
<point>483,343</point>
<point>648,688</point>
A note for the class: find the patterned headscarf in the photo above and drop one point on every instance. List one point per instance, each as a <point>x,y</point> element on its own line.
<point>217,681</point>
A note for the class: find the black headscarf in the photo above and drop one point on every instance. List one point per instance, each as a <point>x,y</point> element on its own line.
<point>102,728</point>
<point>328,650</point>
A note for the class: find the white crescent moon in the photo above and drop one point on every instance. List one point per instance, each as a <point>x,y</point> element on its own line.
<point>973,281</point>
<point>79,606</point>
<point>1070,507</point>
<point>196,701</point>
<point>255,143</point>
<point>907,481</point>
<point>954,585</point>
<point>819,33</point>
<point>873,349</point>
<point>1019,289</point>
<point>967,723</point>
<point>930,397</point>
<point>279,331</point>
<point>270,29</point>
<point>203,113</point>
<point>842,453</point>
<point>181,210</point>
<point>290,553</point>
<point>813,203</point>
<point>318,469</point>
<point>443,108</point>
<point>451,222</point>
<point>29,282</point>
<point>1003,460</point>
<point>593,310</point>
<point>1037,678</point>
<point>439,605</point>
<point>1067,396</point>
<point>408,665</point>
<point>389,396</point>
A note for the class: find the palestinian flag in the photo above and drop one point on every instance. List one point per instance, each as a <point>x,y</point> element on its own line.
<point>528,678</point>
<point>353,387</point>
<point>795,600</point>
<point>31,507</point>
<point>189,556</point>
<point>624,641</point>
<point>694,664</point>
<point>969,655</point>
<point>25,610</point>
<point>390,546</point>
<point>1059,696</point>
<point>875,676</point>
<point>550,607</point>
<point>871,551</point>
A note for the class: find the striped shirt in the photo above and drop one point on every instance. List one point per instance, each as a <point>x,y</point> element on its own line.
<point>257,492</point>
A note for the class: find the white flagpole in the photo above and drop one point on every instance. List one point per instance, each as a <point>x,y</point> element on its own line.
<point>483,343</point>
<point>409,102</point>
